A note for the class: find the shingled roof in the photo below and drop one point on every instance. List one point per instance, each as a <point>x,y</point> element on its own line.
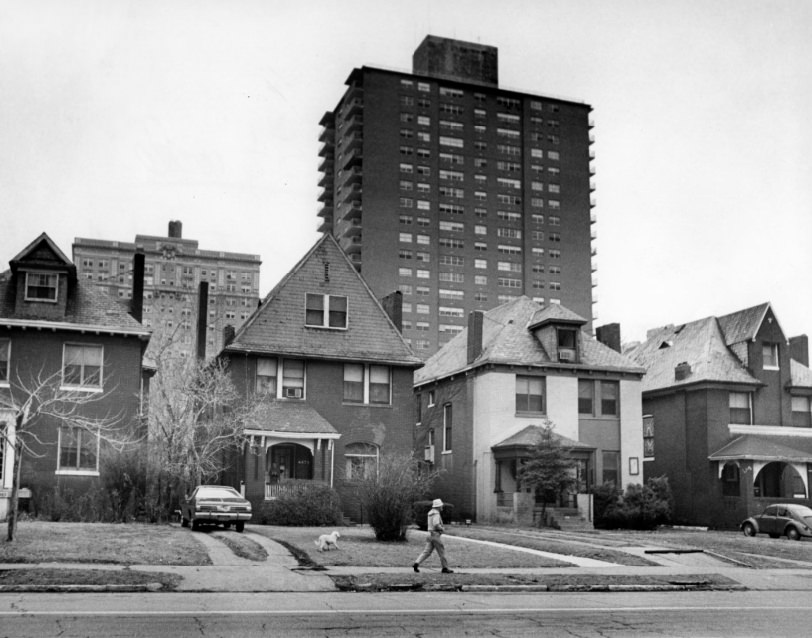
<point>507,338</point>
<point>759,447</point>
<point>700,344</point>
<point>710,346</point>
<point>292,418</point>
<point>277,326</point>
<point>87,307</point>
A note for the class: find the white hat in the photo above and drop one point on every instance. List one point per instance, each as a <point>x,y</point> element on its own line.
<point>437,503</point>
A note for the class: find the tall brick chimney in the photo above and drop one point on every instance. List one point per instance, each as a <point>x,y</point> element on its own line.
<point>476,319</point>
<point>202,319</point>
<point>137,301</point>
<point>799,349</point>
<point>609,335</point>
<point>393,306</point>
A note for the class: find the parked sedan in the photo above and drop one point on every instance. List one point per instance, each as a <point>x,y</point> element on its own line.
<point>790,520</point>
<point>214,504</point>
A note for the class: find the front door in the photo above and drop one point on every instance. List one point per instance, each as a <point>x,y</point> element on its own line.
<point>291,461</point>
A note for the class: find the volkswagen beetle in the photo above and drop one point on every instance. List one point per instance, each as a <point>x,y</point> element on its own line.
<point>790,520</point>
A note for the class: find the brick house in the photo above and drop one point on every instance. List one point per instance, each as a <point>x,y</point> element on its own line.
<point>55,325</point>
<point>482,398</point>
<point>727,405</point>
<point>335,374</point>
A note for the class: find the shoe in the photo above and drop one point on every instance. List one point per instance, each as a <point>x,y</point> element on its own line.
<point>447,571</point>
<point>415,568</point>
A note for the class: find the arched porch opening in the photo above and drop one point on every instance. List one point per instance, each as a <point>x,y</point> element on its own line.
<point>779,480</point>
<point>288,461</point>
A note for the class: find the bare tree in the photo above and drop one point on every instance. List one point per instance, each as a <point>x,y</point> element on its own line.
<point>196,422</point>
<point>41,398</point>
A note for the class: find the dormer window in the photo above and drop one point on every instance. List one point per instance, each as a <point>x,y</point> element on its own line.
<point>326,311</point>
<point>567,345</point>
<point>40,286</point>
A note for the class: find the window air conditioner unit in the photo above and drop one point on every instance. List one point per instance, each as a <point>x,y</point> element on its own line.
<point>428,454</point>
<point>566,355</point>
<point>293,393</point>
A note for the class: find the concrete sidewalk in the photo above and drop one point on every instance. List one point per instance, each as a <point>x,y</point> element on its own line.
<point>281,572</point>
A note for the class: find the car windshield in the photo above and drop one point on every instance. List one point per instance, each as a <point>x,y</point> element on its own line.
<point>217,492</point>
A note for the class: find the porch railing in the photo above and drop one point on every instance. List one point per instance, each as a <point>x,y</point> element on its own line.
<point>287,486</point>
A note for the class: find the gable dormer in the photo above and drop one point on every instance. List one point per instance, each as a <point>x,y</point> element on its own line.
<point>558,330</point>
<point>43,278</point>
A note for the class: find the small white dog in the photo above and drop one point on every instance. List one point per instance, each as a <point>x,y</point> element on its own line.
<point>326,541</point>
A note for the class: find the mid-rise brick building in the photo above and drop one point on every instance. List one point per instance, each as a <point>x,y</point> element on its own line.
<point>175,267</point>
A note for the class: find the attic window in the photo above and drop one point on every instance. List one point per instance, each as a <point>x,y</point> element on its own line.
<point>326,311</point>
<point>41,286</point>
<point>567,345</point>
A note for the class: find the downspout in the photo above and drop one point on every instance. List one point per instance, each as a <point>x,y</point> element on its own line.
<point>332,461</point>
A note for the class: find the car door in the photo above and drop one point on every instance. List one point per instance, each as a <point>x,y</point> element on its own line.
<point>767,522</point>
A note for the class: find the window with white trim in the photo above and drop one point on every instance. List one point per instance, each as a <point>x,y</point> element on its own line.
<point>447,427</point>
<point>266,376</point>
<point>5,358</point>
<point>41,286</point>
<point>78,451</point>
<point>326,311</point>
<point>82,366</point>
<point>769,354</point>
<point>368,384</point>
<point>293,378</point>
<point>361,461</point>
<point>740,408</point>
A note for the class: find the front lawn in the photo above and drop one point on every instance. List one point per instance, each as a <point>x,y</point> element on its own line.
<point>122,544</point>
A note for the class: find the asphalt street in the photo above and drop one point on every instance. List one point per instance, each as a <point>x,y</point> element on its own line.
<point>407,614</point>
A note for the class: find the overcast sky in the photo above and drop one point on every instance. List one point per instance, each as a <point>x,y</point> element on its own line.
<point>117,116</point>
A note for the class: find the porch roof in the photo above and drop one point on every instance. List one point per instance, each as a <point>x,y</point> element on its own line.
<point>290,417</point>
<point>529,436</point>
<point>755,447</point>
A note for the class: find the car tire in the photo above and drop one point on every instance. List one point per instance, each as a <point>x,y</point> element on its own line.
<point>240,526</point>
<point>793,534</point>
<point>749,529</point>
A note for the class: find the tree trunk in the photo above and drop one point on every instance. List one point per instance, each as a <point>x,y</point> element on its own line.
<point>15,487</point>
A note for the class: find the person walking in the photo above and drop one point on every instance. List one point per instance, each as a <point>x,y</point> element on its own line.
<point>434,541</point>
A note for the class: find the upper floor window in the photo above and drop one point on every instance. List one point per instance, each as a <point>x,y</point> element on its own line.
<point>740,408</point>
<point>769,353</point>
<point>5,357</point>
<point>326,311</point>
<point>801,415</point>
<point>608,393</point>
<point>418,408</point>
<point>365,383</point>
<point>40,286</point>
<point>447,427</point>
<point>293,378</point>
<point>82,366</point>
<point>567,344</point>
<point>266,377</point>
<point>529,394</point>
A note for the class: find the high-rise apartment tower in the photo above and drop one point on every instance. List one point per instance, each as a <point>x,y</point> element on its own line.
<point>460,194</point>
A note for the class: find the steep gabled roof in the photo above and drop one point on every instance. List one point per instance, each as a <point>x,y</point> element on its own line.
<point>744,324</point>
<point>277,326</point>
<point>701,344</point>
<point>507,338</point>
<point>42,252</point>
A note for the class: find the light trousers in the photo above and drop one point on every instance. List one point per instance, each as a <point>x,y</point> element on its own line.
<point>434,542</point>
